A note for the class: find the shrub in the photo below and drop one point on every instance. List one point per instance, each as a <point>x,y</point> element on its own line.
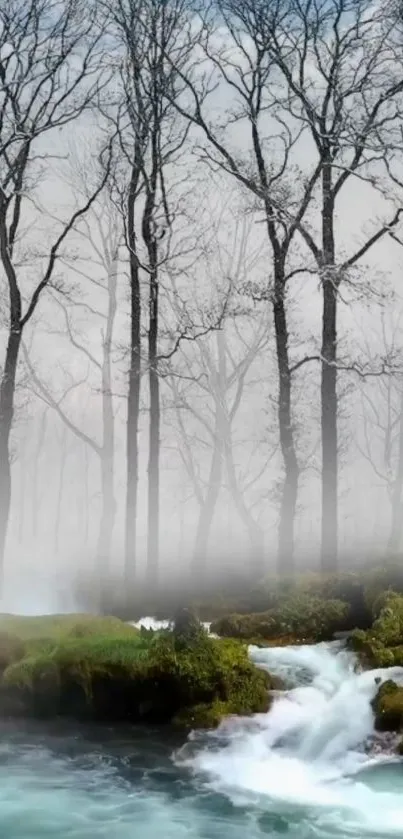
<point>301,617</point>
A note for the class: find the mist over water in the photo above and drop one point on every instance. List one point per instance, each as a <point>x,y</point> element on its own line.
<point>310,769</point>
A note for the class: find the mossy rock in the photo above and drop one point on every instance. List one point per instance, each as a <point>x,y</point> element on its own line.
<point>302,618</point>
<point>102,669</point>
<point>370,651</point>
<point>388,707</point>
<point>382,644</point>
<point>388,626</point>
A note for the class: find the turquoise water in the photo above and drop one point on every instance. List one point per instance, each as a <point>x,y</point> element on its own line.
<point>84,784</point>
<point>307,770</point>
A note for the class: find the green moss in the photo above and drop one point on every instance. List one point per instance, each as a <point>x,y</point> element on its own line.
<point>11,649</point>
<point>58,626</point>
<point>381,579</point>
<point>188,632</point>
<point>382,645</point>
<point>301,617</point>
<point>388,707</point>
<point>388,626</point>
<point>85,672</point>
<point>371,652</point>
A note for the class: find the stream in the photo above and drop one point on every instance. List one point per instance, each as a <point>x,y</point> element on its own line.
<point>310,769</point>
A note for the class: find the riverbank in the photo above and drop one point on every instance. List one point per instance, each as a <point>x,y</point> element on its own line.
<point>101,668</point>
<point>92,668</point>
<point>308,768</point>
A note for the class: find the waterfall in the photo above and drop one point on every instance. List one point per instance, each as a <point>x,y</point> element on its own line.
<point>310,751</point>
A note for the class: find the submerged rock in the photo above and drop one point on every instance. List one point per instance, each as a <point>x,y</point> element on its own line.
<point>102,669</point>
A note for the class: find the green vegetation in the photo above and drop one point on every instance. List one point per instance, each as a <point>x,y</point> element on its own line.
<point>388,707</point>
<point>382,644</point>
<point>299,617</point>
<point>311,607</point>
<point>90,667</point>
<point>100,668</point>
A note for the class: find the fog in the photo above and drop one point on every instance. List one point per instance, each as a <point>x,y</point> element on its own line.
<point>220,462</point>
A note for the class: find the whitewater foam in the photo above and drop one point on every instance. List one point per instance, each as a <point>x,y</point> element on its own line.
<point>310,751</point>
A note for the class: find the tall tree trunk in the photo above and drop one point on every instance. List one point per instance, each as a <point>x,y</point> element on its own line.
<point>154,437</point>
<point>108,508</point>
<point>153,462</point>
<point>86,516</point>
<point>23,488</point>
<point>207,510</point>
<point>181,540</point>
<point>253,530</point>
<point>133,401</point>
<point>107,520</point>
<point>288,505</point>
<point>396,519</point>
<point>38,452</point>
<point>149,236</point>
<point>60,492</point>
<point>7,393</point>
<point>329,404</point>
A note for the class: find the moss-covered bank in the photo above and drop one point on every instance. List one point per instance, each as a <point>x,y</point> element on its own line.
<point>312,607</point>
<point>298,618</point>
<point>382,644</point>
<point>101,669</point>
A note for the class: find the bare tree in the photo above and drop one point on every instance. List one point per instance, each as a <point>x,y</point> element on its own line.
<point>221,379</point>
<point>151,137</point>
<point>102,231</point>
<point>379,438</point>
<point>350,49</point>
<point>60,489</point>
<point>50,75</point>
<point>35,476</point>
<point>96,269</point>
<point>242,71</point>
<point>209,376</point>
<point>329,76</point>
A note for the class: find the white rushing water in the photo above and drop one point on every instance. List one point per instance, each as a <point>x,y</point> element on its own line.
<point>155,624</point>
<point>310,752</point>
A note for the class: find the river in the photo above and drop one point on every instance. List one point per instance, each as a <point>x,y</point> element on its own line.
<point>306,770</point>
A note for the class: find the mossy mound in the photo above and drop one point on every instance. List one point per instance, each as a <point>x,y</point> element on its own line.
<point>382,644</point>
<point>101,669</point>
<point>369,649</point>
<point>382,580</point>
<point>302,618</point>
<point>33,629</point>
<point>388,707</point>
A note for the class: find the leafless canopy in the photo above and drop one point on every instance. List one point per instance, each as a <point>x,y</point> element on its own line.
<point>50,54</point>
